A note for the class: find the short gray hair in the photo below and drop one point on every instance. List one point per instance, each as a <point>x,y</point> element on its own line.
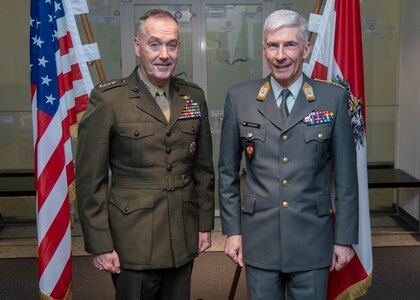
<point>154,13</point>
<point>286,18</point>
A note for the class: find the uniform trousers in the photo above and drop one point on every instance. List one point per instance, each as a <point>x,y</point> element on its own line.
<point>275,285</point>
<point>159,284</point>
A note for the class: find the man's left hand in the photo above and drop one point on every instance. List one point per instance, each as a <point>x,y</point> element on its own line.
<point>204,241</point>
<point>341,257</point>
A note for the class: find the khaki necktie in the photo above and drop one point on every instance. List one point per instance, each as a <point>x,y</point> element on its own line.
<point>163,103</point>
<point>284,111</point>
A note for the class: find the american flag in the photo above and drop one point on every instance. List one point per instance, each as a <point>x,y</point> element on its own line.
<point>60,85</point>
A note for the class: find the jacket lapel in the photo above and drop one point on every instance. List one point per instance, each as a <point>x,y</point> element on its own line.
<point>302,106</point>
<point>139,93</point>
<point>177,93</point>
<point>268,106</point>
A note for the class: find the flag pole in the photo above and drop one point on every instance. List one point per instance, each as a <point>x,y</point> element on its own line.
<point>91,40</point>
<point>317,8</point>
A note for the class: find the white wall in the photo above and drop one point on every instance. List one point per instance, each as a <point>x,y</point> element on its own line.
<point>408,124</point>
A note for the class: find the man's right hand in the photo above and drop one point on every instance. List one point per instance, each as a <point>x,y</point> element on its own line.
<point>233,249</point>
<point>109,262</point>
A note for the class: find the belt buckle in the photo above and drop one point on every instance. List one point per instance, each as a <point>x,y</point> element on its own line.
<point>170,183</point>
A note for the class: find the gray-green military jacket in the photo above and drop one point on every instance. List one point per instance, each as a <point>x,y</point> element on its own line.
<point>285,216</point>
<point>161,190</point>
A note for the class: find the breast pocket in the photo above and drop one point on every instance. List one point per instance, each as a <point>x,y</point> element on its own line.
<point>189,130</point>
<point>317,142</point>
<point>253,141</point>
<point>136,144</point>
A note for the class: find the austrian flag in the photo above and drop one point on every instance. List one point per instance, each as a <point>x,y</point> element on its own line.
<point>337,56</point>
<point>60,87</point>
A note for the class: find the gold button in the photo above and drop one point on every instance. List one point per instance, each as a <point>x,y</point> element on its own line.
<point>285,138</point>
<point>285,182</point>
<point>249,135</point>
<point>285,160</point>
<point>320,136</point>
<point>285,204</point>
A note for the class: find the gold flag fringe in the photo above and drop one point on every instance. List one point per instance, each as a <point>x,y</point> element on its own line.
<point>72,201</point>
<point>356,290</point>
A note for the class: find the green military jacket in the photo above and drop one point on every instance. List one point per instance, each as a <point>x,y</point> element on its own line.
<point>145,186</point>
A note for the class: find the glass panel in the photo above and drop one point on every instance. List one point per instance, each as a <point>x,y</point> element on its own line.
<point>234,53</point>
<point>16,143</point>
<point>182,12</point>
<point>104,20</point>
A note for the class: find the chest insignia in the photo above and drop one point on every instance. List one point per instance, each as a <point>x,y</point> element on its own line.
<point>191,110</point>
<point>318,117</point>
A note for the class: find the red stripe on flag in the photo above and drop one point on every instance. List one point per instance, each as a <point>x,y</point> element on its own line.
<point>43,121</point>
<point>348,51</point>
<point>65,43</point>
<point>320,71</point>
<point>65,80</point>
<point>54,236</point>
<point>50,174</point>
<point>81,103</point>
<point>64,281</point>
<point>33,90</point>
<point>70,172</point>
<point>75,72</point>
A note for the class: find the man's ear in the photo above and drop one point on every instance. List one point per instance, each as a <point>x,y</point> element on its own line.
<point>137,46</point>
<point>306,50</point>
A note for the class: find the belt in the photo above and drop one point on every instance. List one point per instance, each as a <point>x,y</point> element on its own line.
<point>169,183</point>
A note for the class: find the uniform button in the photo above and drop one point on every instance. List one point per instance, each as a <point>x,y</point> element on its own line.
<point>249,135</point>
<point>285,138</point>
<point>126,209</point>
<point>242,209</point>
<point>136,133</point>
<point>285,204</point>
<point>285,160</point>
<point>168,134</point>
<point>320,136</point>
<point>169,167</point>
<point>285,182</point>
<point>168,150</point>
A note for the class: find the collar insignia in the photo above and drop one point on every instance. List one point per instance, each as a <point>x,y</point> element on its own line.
<point>308,91</point>
<point>262,94</point>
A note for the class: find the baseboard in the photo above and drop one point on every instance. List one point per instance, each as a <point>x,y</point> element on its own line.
<point>409,219</point>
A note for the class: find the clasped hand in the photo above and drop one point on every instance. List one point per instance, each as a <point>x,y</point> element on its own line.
<point>108,262</point>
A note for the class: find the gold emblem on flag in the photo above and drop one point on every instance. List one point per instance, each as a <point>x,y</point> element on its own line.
<point>262,94</point>
<point>308,91</point>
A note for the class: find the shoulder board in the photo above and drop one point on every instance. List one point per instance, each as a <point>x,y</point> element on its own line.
<point>111,84</point>
<point>181,81</point>
<point>329,82</point>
